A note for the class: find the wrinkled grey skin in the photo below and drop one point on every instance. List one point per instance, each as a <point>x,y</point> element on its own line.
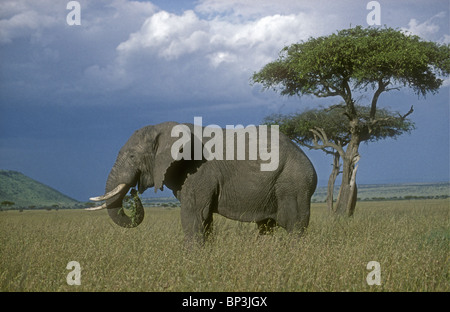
<point>235,189</point>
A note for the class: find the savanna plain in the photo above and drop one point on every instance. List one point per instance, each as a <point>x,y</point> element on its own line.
<point>409,239</point>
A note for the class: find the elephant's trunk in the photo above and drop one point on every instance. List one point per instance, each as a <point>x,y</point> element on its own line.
<point>114,205</point>
<point>114,195</point>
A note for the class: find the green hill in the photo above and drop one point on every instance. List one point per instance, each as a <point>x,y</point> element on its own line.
<point>23,191</point>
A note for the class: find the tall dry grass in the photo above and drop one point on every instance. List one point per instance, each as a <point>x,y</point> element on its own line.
<point>410,240</point>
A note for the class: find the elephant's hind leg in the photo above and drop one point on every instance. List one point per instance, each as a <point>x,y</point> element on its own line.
<point>293,214</point>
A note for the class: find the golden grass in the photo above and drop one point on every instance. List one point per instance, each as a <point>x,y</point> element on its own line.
<point>410,240</point>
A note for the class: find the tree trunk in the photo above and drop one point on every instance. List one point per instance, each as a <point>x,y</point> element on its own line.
<point>346,201</point>
<point>331,181</point>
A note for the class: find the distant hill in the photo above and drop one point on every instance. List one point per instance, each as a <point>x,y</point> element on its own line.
<point>393,191</point>
<point>23,191</point>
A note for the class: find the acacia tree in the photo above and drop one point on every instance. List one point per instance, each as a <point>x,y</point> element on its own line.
<point>327,130</point>
<point>368,61</point>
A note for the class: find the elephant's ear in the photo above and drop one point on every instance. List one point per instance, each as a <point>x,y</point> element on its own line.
<point>174,157</point>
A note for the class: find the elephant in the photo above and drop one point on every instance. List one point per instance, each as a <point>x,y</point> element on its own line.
<point>235,188</point>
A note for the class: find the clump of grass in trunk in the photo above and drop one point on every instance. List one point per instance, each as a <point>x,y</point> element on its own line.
<point>130,204</point>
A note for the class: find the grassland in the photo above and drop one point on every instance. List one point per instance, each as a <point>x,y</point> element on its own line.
<point>410,240</point>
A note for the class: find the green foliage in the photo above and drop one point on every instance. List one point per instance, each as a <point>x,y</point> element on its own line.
<point>335,123</point>
<point>409,239</point>
<point>360,58</point>
<point>128,205</point>
<point>385,124</point>
<point>298,126</point>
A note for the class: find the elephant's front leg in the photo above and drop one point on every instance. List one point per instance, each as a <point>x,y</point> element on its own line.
<point>196,222</point>
<point>198,201</point>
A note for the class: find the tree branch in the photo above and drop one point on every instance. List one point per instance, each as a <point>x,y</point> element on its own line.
<point>329,89</point>
<point>381,88</point>
<point>314,147</point>
<point>319,134</point>
<point>340,105</point>
<point>411,110</point>
<point>390,118</point>
<point>347,96</point>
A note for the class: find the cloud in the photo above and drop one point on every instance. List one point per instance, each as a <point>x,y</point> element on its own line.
<point>43,57</point>
<point>428,29</point>
<point>131,48</point>
<point>22,18</point>
<point>133,51</point>
<point>168,34</point>
<point>256,9</point>
<point>201,59</point>
<point>247,8</point>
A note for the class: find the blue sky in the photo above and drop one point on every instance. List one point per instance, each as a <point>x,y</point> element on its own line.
<point>70,96</point>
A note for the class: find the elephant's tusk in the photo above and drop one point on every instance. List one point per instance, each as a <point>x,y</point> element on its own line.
<point>110,194</point>
<point>96,208</point>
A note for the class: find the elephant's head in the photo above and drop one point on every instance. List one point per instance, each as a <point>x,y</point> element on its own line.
<point>144,161</point>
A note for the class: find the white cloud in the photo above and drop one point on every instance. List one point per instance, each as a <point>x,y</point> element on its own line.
<point>218,58</point>
<point>208,53</point>
<point>429,29</point>
<point>199,54</point>
<point>171,35</point>
<point>424,29</point>
<point>196,55</point>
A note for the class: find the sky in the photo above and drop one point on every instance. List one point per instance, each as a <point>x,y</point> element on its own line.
<point>71,95</point>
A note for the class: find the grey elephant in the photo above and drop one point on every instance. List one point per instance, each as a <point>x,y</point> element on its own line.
<point>235,188</point>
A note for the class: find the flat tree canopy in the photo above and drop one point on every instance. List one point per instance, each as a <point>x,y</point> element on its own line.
<point>298,126</point>
<point>353,61</point>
